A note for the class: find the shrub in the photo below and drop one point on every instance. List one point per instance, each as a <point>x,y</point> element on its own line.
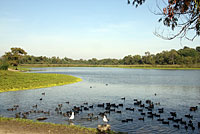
<point>4,65</point>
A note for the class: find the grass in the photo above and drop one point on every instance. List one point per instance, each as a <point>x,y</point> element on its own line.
<point>143,66</point>
<point>14,81</point>
<point>19,124</point>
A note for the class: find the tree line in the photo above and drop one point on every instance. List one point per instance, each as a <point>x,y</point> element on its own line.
<point>185,56</point>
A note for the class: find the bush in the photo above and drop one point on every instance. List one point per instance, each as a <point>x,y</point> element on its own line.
<point>4,66</point>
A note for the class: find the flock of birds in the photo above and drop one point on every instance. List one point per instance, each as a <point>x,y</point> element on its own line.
<point>146,109</point>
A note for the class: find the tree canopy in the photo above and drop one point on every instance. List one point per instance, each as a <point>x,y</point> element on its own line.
<point>182,16</point>
<point>184,56</point>
<point>14,56</point>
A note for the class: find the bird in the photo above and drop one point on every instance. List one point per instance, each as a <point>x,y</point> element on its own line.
<point>105,119</point>
<point>72,116</point>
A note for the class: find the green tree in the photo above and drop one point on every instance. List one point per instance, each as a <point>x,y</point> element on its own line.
<point>181,14</point>
<point>15,56</point>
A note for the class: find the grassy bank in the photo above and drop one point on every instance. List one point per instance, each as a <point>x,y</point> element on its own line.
<point>20,126</point>
<point>13,81</point>
<point>196,66</point>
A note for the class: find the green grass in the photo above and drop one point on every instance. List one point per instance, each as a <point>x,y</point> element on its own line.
<point>59,128</point>
<point>14,81</point>
<point>46,125</point>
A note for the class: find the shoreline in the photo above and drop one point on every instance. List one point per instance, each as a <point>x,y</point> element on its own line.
<point>26,126</point>
<point>16,80</point>
<point>163,67</point>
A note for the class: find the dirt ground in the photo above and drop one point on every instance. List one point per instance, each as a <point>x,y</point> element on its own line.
<point>15,127</point>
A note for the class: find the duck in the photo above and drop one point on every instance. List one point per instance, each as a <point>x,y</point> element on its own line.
<point>193,108</point>
<point>142,119</point>
<point>189,116</point>
<point>72,116</point>
<point>176,126</point>
<point>129,119</point>
<point>105,119</point>
<point>123,98</point>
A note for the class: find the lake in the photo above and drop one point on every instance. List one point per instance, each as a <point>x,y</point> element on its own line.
<point>172,90</point>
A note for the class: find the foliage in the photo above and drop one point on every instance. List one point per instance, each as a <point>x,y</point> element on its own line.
<point>13,81</point>
<point>3,65</point>
<point>14,56</point>
<point>183,56</point>
<point>182,14</point>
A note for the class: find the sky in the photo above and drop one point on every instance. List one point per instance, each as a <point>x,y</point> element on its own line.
<point>82,29</point>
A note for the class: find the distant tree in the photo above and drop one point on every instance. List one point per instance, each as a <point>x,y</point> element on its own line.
<point>14,56</point>
<point>137,59</point>
<point>128,60</point>
<point>181,14</point>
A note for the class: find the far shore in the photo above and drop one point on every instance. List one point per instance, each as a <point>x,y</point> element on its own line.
<point>143,66</point>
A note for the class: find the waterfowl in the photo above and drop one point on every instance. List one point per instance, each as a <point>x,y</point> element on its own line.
<point>143,113</point>
<point>189,116</point>
<point>112,110</point>
<point>120,105</point>
<point>160,119</point>
<point>148,101</point>
<point>85,103</point>
<point>67,102</point>
<point>16,106</point>
<point>193,108</point>
<point>165,122</point>
<point>40,98</point>
<point>183,122</point>
<point>34,106</point>
<point>72,116</point>
<point>141,105</point>
<point>176,126</point>
<point>157,115</point>
<point>91,106</point>
<point>198,124</point>
<point>141,119</point>
<point>119,112</point>
<point>157,103</point>
<point>129,120</point>
<point>123,121</point>
<point>123,98</point>
<point>43,93</point>
<point>86,108</point>
<point>186,127</point>
<point>171,118</point>
<point>100,105</point>
<point>41,118</point>
<point>140,110</point>
<point>105,119</point>
<point>173,114</point>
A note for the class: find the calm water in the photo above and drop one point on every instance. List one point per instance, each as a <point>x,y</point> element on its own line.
<point>176,91</point>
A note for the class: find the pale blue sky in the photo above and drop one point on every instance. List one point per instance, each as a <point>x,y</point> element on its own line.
<point>82,28</point>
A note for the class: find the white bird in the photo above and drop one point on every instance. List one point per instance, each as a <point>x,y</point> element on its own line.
<point>105,119</point>
<point>72,116</point>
